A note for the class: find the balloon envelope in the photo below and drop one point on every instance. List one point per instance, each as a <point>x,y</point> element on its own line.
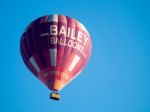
<point>55,48</point>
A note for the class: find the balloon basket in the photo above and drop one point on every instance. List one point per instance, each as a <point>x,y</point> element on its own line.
<point>54,96</point>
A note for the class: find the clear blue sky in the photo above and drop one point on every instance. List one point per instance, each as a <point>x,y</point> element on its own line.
<point>117,77</point>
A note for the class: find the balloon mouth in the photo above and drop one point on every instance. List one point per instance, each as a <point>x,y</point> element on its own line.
<point>57,85</point>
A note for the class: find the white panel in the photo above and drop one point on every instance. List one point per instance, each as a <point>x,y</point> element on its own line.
<point>33,62</point>
<point>53,18</point>
<point>74,62</point>
<point>53,56</point>
<point>82,26</point>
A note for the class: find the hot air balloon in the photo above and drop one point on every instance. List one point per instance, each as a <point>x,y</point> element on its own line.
<point>55,48</point>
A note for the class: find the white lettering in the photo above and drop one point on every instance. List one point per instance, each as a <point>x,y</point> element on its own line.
<point>53,40</point>
<point>68,32</point>
<point>79,37</point>
<point>72,34</point>
<point>85,39</point>
<point>62,31</point>
<point>53,30</point>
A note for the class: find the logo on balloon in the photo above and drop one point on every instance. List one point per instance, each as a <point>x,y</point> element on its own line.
<point>67,36</point>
